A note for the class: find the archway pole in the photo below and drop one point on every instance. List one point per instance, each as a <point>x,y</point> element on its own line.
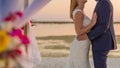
<point>26,3</point>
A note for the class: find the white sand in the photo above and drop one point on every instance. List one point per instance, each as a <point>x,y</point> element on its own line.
<point>60,63</point>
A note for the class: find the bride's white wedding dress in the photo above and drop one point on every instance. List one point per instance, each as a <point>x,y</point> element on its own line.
<point>79,50</point>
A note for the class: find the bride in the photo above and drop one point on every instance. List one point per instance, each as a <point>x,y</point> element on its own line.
<point>13,6</point>
<point>79,49</point>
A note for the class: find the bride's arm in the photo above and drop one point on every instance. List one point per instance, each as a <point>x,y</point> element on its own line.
<point>84,30</point>
<point>35,6</point>
<point>90,26</point>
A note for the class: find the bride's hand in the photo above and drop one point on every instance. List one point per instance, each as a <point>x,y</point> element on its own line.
<point>79,37</point>
<point>82,37</point>
<point>94,18</point>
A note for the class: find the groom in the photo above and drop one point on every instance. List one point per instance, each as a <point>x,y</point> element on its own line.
<point>102,35</point>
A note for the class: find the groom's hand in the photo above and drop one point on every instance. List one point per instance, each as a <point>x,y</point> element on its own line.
<point>94,18</point>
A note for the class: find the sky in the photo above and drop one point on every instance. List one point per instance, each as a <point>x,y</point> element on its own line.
<point>58,10</point>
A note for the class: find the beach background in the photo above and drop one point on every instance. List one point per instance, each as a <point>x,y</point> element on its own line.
<point>54,31</point>
<point>54,41</point>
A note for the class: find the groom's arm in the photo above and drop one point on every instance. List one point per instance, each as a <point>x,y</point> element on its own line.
<point>103,13</point>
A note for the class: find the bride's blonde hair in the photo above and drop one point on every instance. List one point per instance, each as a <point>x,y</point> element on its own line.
<point>73,5</point>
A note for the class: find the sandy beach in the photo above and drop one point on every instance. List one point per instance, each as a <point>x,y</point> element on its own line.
<point>43,30</point>
<point>60,63</point>
<point>48,47</point>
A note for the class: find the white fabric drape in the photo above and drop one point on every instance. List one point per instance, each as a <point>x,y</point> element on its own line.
<point>7,6</point>
<point>32,59</point>
<point>35,6</point>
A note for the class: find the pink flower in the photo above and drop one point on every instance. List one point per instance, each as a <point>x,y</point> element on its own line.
<point>30,21</point>
<point>16,32</point>
<point>18,51</point>
<point>13,16</point>
<point>10,17</point>
<point>7,19</point>
<point>14,53</point>
<point>19,14</point>
<point>24,39</point>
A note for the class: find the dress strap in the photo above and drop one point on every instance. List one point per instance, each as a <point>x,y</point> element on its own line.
<point>75,12</point>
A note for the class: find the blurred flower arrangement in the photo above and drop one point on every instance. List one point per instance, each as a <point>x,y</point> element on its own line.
<point>11,39</point>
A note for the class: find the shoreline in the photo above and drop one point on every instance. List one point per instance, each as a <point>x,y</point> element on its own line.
<point>41,30</point>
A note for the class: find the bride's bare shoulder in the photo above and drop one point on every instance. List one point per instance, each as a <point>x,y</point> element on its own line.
<point>76,12</point>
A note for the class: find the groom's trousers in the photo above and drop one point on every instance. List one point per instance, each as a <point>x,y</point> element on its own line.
<point>100,59</point>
